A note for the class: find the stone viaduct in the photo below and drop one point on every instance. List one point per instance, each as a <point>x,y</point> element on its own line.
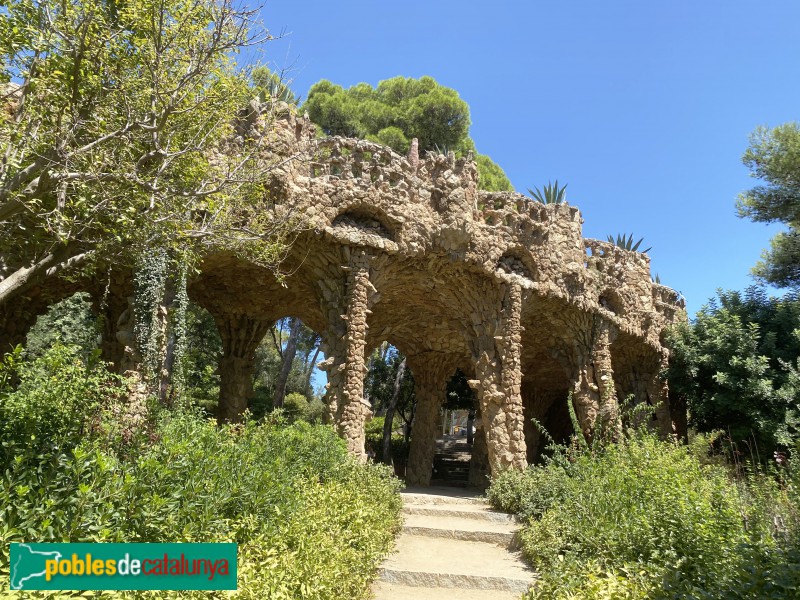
<point>407,250</point>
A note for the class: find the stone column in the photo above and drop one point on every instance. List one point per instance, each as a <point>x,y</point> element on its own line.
<point>479,463</point>
<point>593,391</point>
<point>658,393</point>
<point>345,346</point>
<point>431,371</point>
<point>241,335</point>
<point>112,297</point>
<point>498,386</point>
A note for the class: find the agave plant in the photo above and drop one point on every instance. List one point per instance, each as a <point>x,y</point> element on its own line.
<point>550,193</point>
<point>626,243</point>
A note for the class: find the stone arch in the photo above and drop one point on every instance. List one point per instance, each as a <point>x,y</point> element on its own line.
<point>516,262</point>
<point>636,375</point>
<point>366,221</point>
<point>612,301</point>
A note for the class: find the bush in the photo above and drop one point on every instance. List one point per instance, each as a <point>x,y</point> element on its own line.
<point>644,519</point>
<point>528,494</point>
<point>291,496</point>
<point>295,406</point>
<point>58,398</point>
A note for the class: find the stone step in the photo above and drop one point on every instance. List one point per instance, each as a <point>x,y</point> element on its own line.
<point>458,528</point>
<point>451,463</point>
<point>423,561</point>
<point>392,591</point>
<point>441,495</point>
<point>479,512</point>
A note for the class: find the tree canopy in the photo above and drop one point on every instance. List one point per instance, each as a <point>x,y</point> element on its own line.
<point>737,366</point>
<point>774,157</point>
<point>398,110</point>
<point>117,129</point>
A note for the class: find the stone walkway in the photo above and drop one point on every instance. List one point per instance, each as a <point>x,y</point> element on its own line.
<point>453,546</point>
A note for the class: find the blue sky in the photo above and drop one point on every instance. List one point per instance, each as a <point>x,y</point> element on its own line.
<point>643,108</point>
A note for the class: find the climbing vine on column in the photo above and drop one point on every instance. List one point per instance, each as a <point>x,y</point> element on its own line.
<point>149,284</point>
<point>160,305</point>
<point>178,322</point>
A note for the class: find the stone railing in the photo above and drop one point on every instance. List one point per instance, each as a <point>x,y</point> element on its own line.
<point>494,208</point>
<point>668,302</point>
<point>376,165</point>
<point>605,256</point>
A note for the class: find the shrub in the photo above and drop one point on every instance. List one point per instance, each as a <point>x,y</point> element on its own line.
<point>643,519</point>
<point>58,397</point>
<point>530,493</point>
<point>296,407</point>
<point>310,521</point>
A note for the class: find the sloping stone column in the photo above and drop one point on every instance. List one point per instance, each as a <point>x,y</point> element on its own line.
<point>432,371</point>
<point>593,392</point>
<point>345,345</point>
<point>240,335</point>
<point>498,386</point>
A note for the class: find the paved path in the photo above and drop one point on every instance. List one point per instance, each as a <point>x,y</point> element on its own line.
<point>453,546</point>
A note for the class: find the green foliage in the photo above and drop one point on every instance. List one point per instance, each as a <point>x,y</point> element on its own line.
<point>492,178</point>
<point>297,407</point>
<point>528,494</point>
<point>398,110</point>
<point>204,346</point>
<point>311,523</point>
<point>645,519</point>
<point>70,322</point>
<point>774,157</point>
<point>203,349</point>
<point>382,368</point>
<point>419,108</point>
<point>291,496</point>
<point>550,194</point>
<point>149,285</point>
<point>107,133</point>
<point>373,431</point>
<point>271,86</point>
<point>57,399</point>
<point>269,361</point>
<point>626,243</point>
<point>737,366</point>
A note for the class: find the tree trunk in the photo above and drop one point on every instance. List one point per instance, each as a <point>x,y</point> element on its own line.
<point>387,423</point>
<point>288,360</point>
<point>310,371</point>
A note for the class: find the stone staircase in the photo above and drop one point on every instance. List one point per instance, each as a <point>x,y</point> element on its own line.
<point>453,546</point>
<point>451,461</point>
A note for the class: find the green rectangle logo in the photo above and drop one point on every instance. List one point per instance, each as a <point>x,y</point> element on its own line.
<point>123,566</point>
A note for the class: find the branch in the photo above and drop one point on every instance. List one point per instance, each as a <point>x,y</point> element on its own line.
<point>51,264</point>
